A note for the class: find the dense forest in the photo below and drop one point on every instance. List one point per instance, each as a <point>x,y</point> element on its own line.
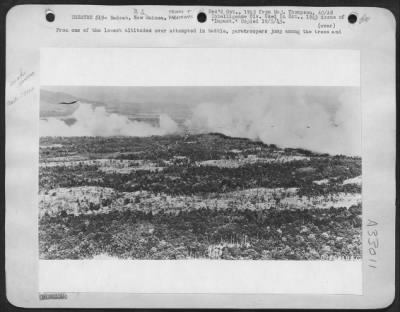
<point>180,167</point>
<point>271,234</point>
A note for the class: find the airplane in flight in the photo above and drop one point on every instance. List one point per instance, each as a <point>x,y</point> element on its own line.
<point>68,103</point>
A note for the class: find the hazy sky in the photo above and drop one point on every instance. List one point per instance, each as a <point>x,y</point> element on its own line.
<point>171,100</point>
<point>325,119</point>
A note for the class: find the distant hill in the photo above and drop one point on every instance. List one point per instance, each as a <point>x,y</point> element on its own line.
<point>50,103</point>
<point>49,106</point>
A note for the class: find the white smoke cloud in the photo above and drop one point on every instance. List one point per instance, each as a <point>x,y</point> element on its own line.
<point>294,122</point>
<point>328,123</point>
<point>97,121</point>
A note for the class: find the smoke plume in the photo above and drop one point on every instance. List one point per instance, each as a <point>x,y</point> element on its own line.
<point>322,120</point>
<point>297,122</point>
<point>96,121</point>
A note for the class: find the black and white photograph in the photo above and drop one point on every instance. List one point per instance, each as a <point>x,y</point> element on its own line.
<point>181,173</point>
<point>200,157</point>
